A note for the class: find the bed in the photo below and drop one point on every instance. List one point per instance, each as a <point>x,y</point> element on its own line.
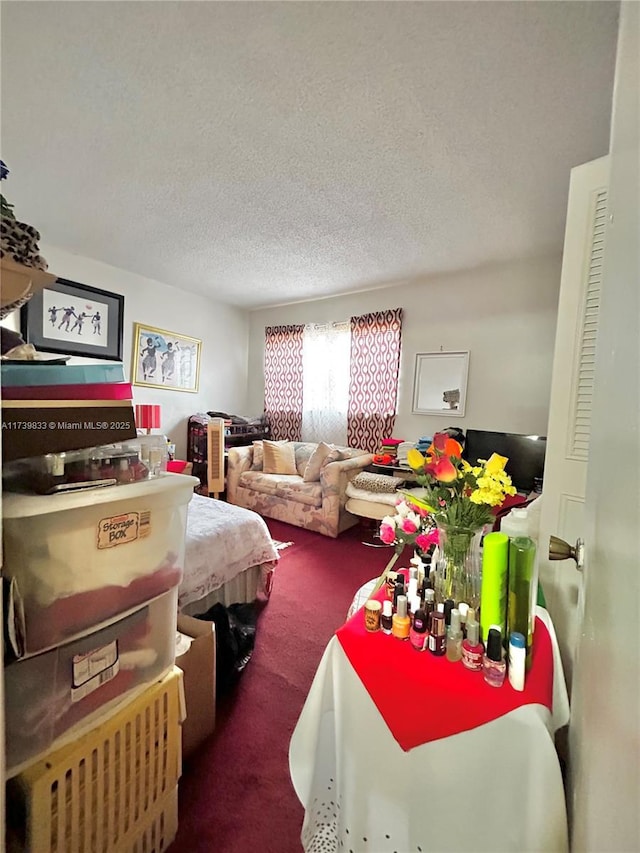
<point>230,556</point>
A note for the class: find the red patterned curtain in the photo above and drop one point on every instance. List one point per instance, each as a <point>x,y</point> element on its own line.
<point>373,386</point>
<point>283,381</point>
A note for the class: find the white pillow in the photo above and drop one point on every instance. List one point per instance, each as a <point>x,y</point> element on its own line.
<point>321,456</point>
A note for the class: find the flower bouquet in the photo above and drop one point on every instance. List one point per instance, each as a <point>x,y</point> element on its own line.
<point>411,525</point>
<point>458,498</point>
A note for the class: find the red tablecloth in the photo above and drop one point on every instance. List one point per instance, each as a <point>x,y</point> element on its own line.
<point>422,697</point>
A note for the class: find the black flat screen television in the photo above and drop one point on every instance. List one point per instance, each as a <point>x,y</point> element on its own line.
<point>525,454</point>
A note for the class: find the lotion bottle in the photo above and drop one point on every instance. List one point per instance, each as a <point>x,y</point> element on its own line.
<point>517,655</point>
<point>523,587</point>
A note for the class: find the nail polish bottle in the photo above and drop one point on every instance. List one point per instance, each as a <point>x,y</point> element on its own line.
<point>448,607</point>
<point>464,608</point>
<point>392,579</point>
<point>454,637</point>
<point>438,635</point>
<point>472,648</point>
<point>398,591</point>
<point>494,666</point>
<point>416,604</point>
<point>418,635</point>
<point>426,584</point>
<point>412,588</point>
<point>387,616</point>
<point>401,624</point>
<point>429,605</point>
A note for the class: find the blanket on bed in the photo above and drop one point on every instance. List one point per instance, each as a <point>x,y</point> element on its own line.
<point>223,540</point>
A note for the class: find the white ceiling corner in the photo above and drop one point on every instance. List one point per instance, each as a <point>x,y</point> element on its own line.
<point>270,152</point>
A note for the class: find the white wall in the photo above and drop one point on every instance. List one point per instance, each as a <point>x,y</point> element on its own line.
<point>504,315</point>
<point>222,329</point>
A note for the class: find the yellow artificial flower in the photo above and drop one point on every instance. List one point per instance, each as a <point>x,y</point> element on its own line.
<point>492,487</point>
<point>415,459</point>
<point>495,464</point>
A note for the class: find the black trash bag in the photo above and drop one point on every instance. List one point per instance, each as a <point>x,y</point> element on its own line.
<point>235,640</point>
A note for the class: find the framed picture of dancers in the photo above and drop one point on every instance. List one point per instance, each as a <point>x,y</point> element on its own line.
<point>163,359</point>
<point>74,319</point>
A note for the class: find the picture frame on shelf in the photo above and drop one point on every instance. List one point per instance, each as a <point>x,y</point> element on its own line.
<point>70,318</point>
<point>164,359</point>
<point>440,383</point>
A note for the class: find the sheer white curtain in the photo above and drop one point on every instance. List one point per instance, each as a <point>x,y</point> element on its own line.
<point>326,354</point>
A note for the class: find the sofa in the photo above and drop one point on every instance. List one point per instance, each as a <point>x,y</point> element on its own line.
<point>315,505</point>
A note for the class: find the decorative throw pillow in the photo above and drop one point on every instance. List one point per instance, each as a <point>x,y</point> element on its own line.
<point>321,456</point>
<point>258,454</point>
<point>304,449</point>
<point>380,483</point>
<point>279,457</point>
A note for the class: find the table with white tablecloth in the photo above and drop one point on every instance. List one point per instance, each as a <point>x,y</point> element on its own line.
<point>496,787</point>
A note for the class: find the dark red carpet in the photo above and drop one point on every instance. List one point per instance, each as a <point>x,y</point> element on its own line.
<point>236,795</point>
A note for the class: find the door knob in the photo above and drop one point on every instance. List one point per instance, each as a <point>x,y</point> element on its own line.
<point>561,550</point>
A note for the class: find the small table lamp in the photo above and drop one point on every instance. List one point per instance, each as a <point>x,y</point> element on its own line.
<point>148,417</point>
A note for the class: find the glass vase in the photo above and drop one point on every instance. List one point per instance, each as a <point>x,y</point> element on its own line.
<point>458,568</point>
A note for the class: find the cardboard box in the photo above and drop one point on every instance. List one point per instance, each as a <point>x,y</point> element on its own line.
<point>198,663</point>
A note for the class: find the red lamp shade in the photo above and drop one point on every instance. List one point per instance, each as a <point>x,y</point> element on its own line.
<point>148,417</point>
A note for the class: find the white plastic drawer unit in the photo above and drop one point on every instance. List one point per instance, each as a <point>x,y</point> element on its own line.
<point>77,560</point>
<point>67,687</point>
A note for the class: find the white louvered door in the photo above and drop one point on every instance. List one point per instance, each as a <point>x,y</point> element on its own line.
<point>571,401</point>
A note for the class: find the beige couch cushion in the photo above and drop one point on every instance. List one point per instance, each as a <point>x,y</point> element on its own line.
<point>288,487</point>
<point>322,455</point>
<point>301,492</point>
<point>279,458</point>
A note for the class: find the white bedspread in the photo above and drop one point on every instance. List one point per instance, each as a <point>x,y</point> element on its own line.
<point>223,540</point>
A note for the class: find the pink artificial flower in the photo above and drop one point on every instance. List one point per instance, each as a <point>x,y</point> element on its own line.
<point>419,510</point>
<point>425,540</point>
<point>387,534</point>
<point>408,526</point>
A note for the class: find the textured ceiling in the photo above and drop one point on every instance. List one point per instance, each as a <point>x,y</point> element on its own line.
<point>272,152</point>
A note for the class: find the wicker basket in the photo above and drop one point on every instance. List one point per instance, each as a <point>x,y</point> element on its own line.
<point>114,790</point>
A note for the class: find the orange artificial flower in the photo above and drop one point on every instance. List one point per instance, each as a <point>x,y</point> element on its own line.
<point>442,469</point>
<point>443,445</point>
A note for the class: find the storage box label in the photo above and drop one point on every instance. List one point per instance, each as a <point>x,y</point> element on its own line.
<point>94,669</point>
<point>122,529</point>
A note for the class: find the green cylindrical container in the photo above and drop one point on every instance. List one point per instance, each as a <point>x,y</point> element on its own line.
<point>493,591</point>
<point>522,589</point>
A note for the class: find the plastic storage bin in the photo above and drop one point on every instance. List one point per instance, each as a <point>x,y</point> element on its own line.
<point>48,694</point>
<point>113,790</point>
<point>94,467</point>
<point>77,560</point>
